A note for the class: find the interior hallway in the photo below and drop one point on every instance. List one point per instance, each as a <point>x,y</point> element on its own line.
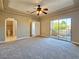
<point>39,48</point>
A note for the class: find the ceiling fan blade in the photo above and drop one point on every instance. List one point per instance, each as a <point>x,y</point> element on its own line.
<point>46,9</point>
<point>44,12</point>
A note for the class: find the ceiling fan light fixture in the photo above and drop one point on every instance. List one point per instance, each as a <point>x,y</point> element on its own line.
<point>37,12</point>
<point>40,12</point>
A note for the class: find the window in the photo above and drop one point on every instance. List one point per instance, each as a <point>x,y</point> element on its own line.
<point>61,29</point>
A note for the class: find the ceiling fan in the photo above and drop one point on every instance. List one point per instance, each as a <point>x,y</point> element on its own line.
<point>40,10</point>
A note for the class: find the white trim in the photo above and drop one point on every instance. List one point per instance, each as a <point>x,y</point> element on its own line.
<point>75,43</point>
<point>32,37</point>
<point>16,39</point>
<point>14,27</point>
<point>23,38</point>
<point>2,42</point>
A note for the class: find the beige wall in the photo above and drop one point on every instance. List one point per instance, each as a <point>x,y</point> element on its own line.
<point>75,25</point>
<point>45,24</point>
<point>23,24</point>
<point>2,31</point>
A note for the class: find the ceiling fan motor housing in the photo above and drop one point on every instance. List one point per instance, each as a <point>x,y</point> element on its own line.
<point>38,9</point>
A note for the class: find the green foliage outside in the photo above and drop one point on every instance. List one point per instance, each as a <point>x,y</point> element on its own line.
<point>61,26</point>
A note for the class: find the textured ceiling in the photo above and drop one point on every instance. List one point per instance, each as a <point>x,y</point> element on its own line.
<point>29,5</point>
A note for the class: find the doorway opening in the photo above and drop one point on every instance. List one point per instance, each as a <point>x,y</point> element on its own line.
<point>35,28</point>
<point>10,29</point>
<point>61,29</point>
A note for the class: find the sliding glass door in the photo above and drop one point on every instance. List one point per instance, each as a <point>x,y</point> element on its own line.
<point>54,29</point>
<point>61,29</point>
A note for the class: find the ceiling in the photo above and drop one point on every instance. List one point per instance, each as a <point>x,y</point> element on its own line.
<point>28,6</point>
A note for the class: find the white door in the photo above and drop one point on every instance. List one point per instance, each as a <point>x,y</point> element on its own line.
<point>35,28</point>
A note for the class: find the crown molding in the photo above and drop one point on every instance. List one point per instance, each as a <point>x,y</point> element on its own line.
<point>16,12</point>
<point>1,5</point>
<point>8,10</point>
<point>66,10</point>
<point>63,11</point>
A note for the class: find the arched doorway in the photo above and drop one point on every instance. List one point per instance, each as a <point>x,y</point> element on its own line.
<point>10,29</point>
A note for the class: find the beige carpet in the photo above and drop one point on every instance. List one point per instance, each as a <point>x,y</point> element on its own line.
<point>39,48</point>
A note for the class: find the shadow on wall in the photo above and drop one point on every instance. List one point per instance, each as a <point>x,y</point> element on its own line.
<point>76,2</point>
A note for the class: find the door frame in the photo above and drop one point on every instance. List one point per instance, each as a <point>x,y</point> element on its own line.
<point>58,22</point>
<point>39,29</point>
<point>14,30</point>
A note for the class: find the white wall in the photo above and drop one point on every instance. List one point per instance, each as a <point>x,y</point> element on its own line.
<point>23,24</point>
<point>2,31</point>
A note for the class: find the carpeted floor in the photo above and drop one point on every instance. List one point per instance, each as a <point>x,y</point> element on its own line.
<point>39,48</point>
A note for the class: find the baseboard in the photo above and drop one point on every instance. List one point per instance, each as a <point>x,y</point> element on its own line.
<point>23,38</point>
<point>1,42</point>
<point>44,36</point>
<point>76,43</point>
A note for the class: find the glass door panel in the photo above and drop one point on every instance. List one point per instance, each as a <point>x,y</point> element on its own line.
<point>54,29</point>
<point>61,29</point>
